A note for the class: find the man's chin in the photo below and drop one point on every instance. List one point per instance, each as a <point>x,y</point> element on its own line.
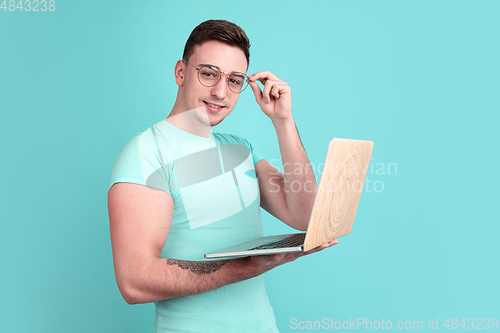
<point>216,122</point>
<point>207,119</point>
<point>212,120</point>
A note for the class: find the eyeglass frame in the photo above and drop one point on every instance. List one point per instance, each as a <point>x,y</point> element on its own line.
<point>215,67</point>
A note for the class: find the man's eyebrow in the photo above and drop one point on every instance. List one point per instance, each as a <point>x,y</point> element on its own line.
<point>219,68</point>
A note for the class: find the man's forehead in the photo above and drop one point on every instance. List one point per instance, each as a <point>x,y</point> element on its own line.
<point>227,58</point>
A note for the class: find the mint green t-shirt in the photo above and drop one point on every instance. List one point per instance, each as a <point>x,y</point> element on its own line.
<point>216,198</point>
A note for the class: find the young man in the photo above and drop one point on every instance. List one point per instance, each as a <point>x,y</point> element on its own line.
<point>178,191</point>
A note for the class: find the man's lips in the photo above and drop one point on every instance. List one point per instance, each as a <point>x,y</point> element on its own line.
<point>214,104</point>
<point>212,107</point>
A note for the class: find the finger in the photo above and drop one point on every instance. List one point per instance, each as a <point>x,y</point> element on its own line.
<point>275,91</point>
<point>256,91</point>
<point>279,256</point>
<point>264,74</point>
<point>267,89</point>
<point>316,249</point>
<point>275,258</point>
<point>269,86</point>
<point>322,246</point>
<point>265,81</point>
<point>329,243</point>
<point>278,89</point>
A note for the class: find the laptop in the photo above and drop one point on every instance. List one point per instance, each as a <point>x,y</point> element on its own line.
<point>335,205</point>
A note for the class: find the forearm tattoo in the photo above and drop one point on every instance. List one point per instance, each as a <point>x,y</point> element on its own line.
<point>199,267</point>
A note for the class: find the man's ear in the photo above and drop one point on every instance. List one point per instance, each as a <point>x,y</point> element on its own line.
<point>180,72</point>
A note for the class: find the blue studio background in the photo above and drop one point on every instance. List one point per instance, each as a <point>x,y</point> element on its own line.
<point>419,78</point>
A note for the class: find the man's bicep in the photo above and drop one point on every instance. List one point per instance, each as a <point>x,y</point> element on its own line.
<point>140,218</point>
<point>272,190</point>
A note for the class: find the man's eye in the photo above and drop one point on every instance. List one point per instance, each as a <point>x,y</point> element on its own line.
<point>237,82</point>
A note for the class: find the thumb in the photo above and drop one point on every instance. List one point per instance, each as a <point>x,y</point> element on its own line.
<point>256,91</point>
<point>279,256</point>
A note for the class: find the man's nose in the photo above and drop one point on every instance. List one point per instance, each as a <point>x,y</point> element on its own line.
<point>220,89</point>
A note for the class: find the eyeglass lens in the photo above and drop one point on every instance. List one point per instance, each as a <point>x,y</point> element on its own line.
<point>209,77</point>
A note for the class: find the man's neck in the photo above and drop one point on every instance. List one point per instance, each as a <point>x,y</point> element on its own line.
<point>188,121</point>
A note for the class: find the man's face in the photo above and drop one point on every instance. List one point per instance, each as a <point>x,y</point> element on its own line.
<point>228,59</point>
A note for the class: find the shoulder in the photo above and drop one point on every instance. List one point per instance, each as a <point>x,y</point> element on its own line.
<point>130,149</point>
<point>231,138</point>
<point>138,145</point>
<point>129,157</point>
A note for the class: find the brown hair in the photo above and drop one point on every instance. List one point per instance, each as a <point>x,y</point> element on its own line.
<point>220,30</point>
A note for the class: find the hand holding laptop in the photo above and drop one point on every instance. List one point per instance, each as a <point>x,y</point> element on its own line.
<point>267,262</point>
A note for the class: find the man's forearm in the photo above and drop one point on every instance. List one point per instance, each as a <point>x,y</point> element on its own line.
<point>300,183</point>
<point>169,278</point>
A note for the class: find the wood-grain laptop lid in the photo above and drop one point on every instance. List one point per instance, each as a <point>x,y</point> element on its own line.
<point>341,183</point>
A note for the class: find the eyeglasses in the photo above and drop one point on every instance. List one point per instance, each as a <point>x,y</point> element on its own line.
<point>209,76</point>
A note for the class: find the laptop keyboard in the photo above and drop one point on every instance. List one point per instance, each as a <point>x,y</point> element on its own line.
<point>292,241</point>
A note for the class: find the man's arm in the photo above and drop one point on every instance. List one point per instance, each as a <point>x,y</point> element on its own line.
<point>300,184</point>
<point>140,218</point>
<point>289,197</point>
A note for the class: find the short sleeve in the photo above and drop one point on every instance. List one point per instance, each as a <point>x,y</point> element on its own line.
<point>139,162</point>
<point>256,155</point>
